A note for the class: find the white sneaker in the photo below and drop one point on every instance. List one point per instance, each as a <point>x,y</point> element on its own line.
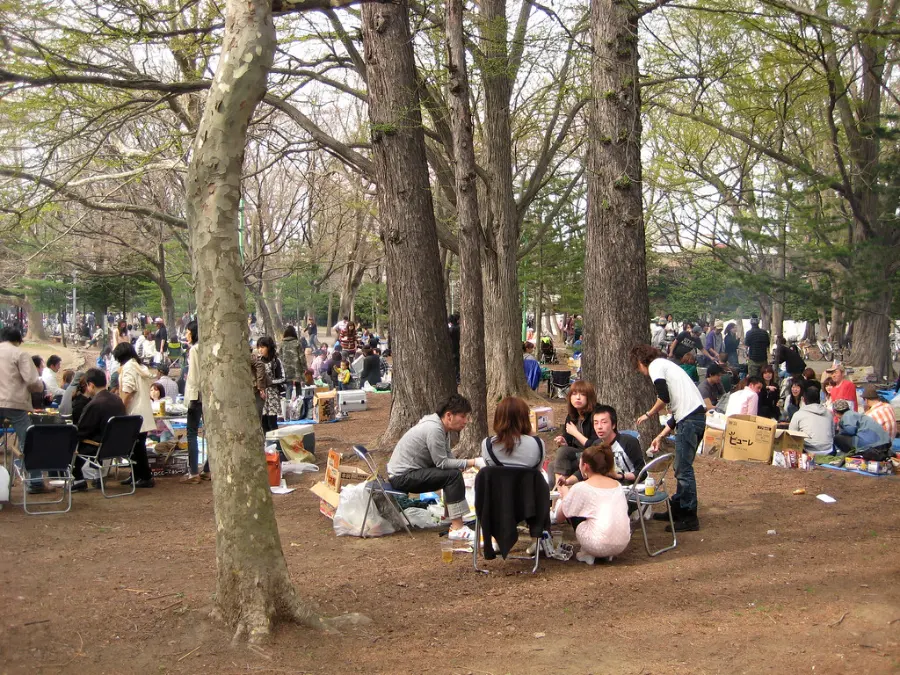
<point>585,558</point>
<point>464,533</point>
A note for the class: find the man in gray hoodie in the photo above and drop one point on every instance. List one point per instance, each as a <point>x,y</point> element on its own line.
<point>814,420</point>
<point>421,462</point>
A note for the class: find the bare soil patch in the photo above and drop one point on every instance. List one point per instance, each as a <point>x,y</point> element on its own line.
<point>125,586</point>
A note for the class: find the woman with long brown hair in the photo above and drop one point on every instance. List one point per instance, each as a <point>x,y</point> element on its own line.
<point>579,430</point>
<point>512,443</point>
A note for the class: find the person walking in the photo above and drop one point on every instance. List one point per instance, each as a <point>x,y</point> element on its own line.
<point>18,380</point>
<point>675,389</point>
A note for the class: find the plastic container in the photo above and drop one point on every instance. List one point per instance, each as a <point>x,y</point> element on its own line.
<point>273,464</point>
<point>649,486</point>
<point>446,550</point>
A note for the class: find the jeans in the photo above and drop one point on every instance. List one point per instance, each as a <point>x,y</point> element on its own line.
<point>20,422</point>
<point>194,415</point>
<point>688,434</point>
<point>433,479</point>
<point>566,462</point>
<point>313,340</point>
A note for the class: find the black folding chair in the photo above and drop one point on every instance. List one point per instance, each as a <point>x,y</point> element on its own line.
<point>383,486</point>
<point>118,441</point>
<point>48,447</point>
<point>559,383</point>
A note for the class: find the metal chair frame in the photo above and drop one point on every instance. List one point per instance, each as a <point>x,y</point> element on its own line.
<point>376,482</point>
<point>661,465</point>
<point>110,448</point>
<point>553,389</point>
<point>21,468</point>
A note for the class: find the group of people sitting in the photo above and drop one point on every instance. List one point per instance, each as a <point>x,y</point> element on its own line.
<point>592,462</point>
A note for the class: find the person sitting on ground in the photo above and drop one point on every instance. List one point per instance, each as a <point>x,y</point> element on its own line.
<point>711,389</point>
<point>422,462</point>
<point>745,399</point>
<point>814,420</point>
<point>843,388</point>
<point>512,443</point>
<point>769,398</point>
<point>689,365</point>
<point>794,399</point>
<point>371,367</point>
<point>170,387</point>
<point>528,349</point>
<point>879,411</point>
<point>810,376</point>
<point>827,401</point>
<point>857,432</point>
<point>92,422</point>
<point>596,507</point>
<point>49,376</point>
<point>789,356</point>
<point>579,429</point>
<point>80,399</point>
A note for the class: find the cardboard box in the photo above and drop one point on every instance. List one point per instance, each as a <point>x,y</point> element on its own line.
<point>325,406</point>
<point>749,438</point>
<point>336,474</point>
<point>176,466</point>
<point>786,440</point>
<point>328,499</point>
<point>541,419</point>
<point>712,442</point>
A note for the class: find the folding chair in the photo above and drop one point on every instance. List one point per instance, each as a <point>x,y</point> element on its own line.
<point>659,467</point>
<point>559,383</point>
<point>383,486</point>
<point>118,441</point>
<point>506,480</point>
<point>48,447</point>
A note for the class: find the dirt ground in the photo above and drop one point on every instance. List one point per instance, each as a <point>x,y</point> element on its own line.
<point>125,586</point>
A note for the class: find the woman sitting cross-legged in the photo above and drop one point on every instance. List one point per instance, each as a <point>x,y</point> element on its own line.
<point>513,444</point>
<point>596,507</point>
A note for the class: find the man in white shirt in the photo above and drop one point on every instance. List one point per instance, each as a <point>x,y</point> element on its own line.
<point>745,401</point>
<point>676,389</point>
<point>48,375</point>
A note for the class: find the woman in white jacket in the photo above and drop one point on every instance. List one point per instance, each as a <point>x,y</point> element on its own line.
<point>194,407</point>
<point>134,390</point>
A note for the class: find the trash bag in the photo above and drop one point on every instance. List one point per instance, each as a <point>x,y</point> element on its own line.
<point>348,518</point>
<point>421,518</point>
<point>4,484</point>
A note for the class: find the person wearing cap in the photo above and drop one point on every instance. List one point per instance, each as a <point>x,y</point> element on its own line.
<point>686,342</point>
<point>757,342</point>
<point>843,388</point>
<point>658,333</point>
<point>160,338</point>
<point>715,342</point>
<point>878,410</point>
<point>857,432</point>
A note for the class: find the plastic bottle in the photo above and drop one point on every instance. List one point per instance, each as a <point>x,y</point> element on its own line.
<point>649,486</point>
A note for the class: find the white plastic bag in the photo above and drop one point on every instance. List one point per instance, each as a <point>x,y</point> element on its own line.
<point>421,518</point>
<point>348,518</point>
<point>4,484</point>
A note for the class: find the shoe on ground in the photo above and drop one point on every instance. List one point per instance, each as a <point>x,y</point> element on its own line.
<point>205,475</point>
<point>96,483</point>
<point>464,533</point>
<point>686,524</point>
<point>664,516</point>
<point>145,483</point>
<point>79,486</point>
<point>585,558</point>
<point>38,490</point>
<point>127,481</point>
<point>188,478</point>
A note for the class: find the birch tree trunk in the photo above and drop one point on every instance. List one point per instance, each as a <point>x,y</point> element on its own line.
<point>616,307</point>
<point>418,328</point>
<point>253,588</point>
<point>471,241</point>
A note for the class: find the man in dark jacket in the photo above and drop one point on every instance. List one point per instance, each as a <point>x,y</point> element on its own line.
<point>626,449</point>
<point>94,418</point>
<point>757,341</point>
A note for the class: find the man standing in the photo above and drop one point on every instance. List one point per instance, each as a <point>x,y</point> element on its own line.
<point>844,389</point>
<point>312,332</point>
<point>160,339</point>
<point>658,334</point>
<point>879,411</point>
<point>711,389</point>
<point>685,342</point>
<point>757,342</point>
<point>715,342</point>
<point>93,421</point>
<point>18,377</point>
<point>675,389</point>
<point>421,462</point>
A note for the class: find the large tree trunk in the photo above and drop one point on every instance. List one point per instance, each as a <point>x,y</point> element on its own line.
<point>263,318</point>
<point>268,299</point>
<point>616,306</point>
<point>35,332</point>
<point>505,371</point>
<point>253,587</point>
<point>871,335</point>
<point>415,284</point>
<point>471,241</point>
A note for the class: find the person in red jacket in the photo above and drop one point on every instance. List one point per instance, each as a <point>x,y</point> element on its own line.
<point>844,389</point>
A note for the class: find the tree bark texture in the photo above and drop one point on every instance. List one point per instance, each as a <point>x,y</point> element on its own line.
<point>502,308</point>
<point>471,241</point>
<point>616,306</point>
<point>423,371</point>
<point>253,587</point>
<point>35,332</point>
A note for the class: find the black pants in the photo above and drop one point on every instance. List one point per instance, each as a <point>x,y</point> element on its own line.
<point>139,460</point>
<point>431,480</point>
<point>844,443</point>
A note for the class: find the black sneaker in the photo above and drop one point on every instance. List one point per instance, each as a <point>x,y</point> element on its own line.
<point>688,523</point>
<point>127,481</point>
<point>79,486</point>
<point>145,483</point>
<point>677,514</point>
